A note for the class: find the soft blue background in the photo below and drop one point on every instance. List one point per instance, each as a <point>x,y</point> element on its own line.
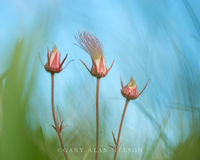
<point>149,39</point>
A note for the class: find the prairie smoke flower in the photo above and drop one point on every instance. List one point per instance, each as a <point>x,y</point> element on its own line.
<point>53,64</point>
<point>93,47</point>
<point>130,91</point>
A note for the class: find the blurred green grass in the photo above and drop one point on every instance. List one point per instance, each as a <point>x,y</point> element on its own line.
<point>16,138</point>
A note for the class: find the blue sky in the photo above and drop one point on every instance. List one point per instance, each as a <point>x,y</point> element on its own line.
<point>152,39</point>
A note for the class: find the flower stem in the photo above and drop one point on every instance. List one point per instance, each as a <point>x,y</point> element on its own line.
<point>120,128</point>
<point>97,118</point>
<point>54,117</point>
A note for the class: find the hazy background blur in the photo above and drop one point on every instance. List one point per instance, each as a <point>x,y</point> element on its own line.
<point>154,39</point>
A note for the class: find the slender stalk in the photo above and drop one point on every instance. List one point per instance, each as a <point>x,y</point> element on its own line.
<point>54,117</point>
<point>97,118</point>
<point>120,128</point>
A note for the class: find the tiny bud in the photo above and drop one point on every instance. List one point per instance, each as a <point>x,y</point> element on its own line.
<point>53,64</point>
<point>130,90</point>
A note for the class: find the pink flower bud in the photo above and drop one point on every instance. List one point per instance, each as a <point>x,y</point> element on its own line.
<point>93,47</point>
<point>53,64</point>
<point>130,91</point>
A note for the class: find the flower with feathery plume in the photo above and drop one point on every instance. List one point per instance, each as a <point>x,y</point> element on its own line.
<point>93,47</point>
<point>130,91</point>
<point>53,64</point>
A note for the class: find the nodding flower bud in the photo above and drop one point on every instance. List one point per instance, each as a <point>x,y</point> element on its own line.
<point>130,91</point>
<point>53,64</point>
<point>93,47</point>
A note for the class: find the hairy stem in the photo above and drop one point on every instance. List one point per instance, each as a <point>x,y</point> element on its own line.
<point>120,128</point>
<point>54,117</point>
<point>97,118</point>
